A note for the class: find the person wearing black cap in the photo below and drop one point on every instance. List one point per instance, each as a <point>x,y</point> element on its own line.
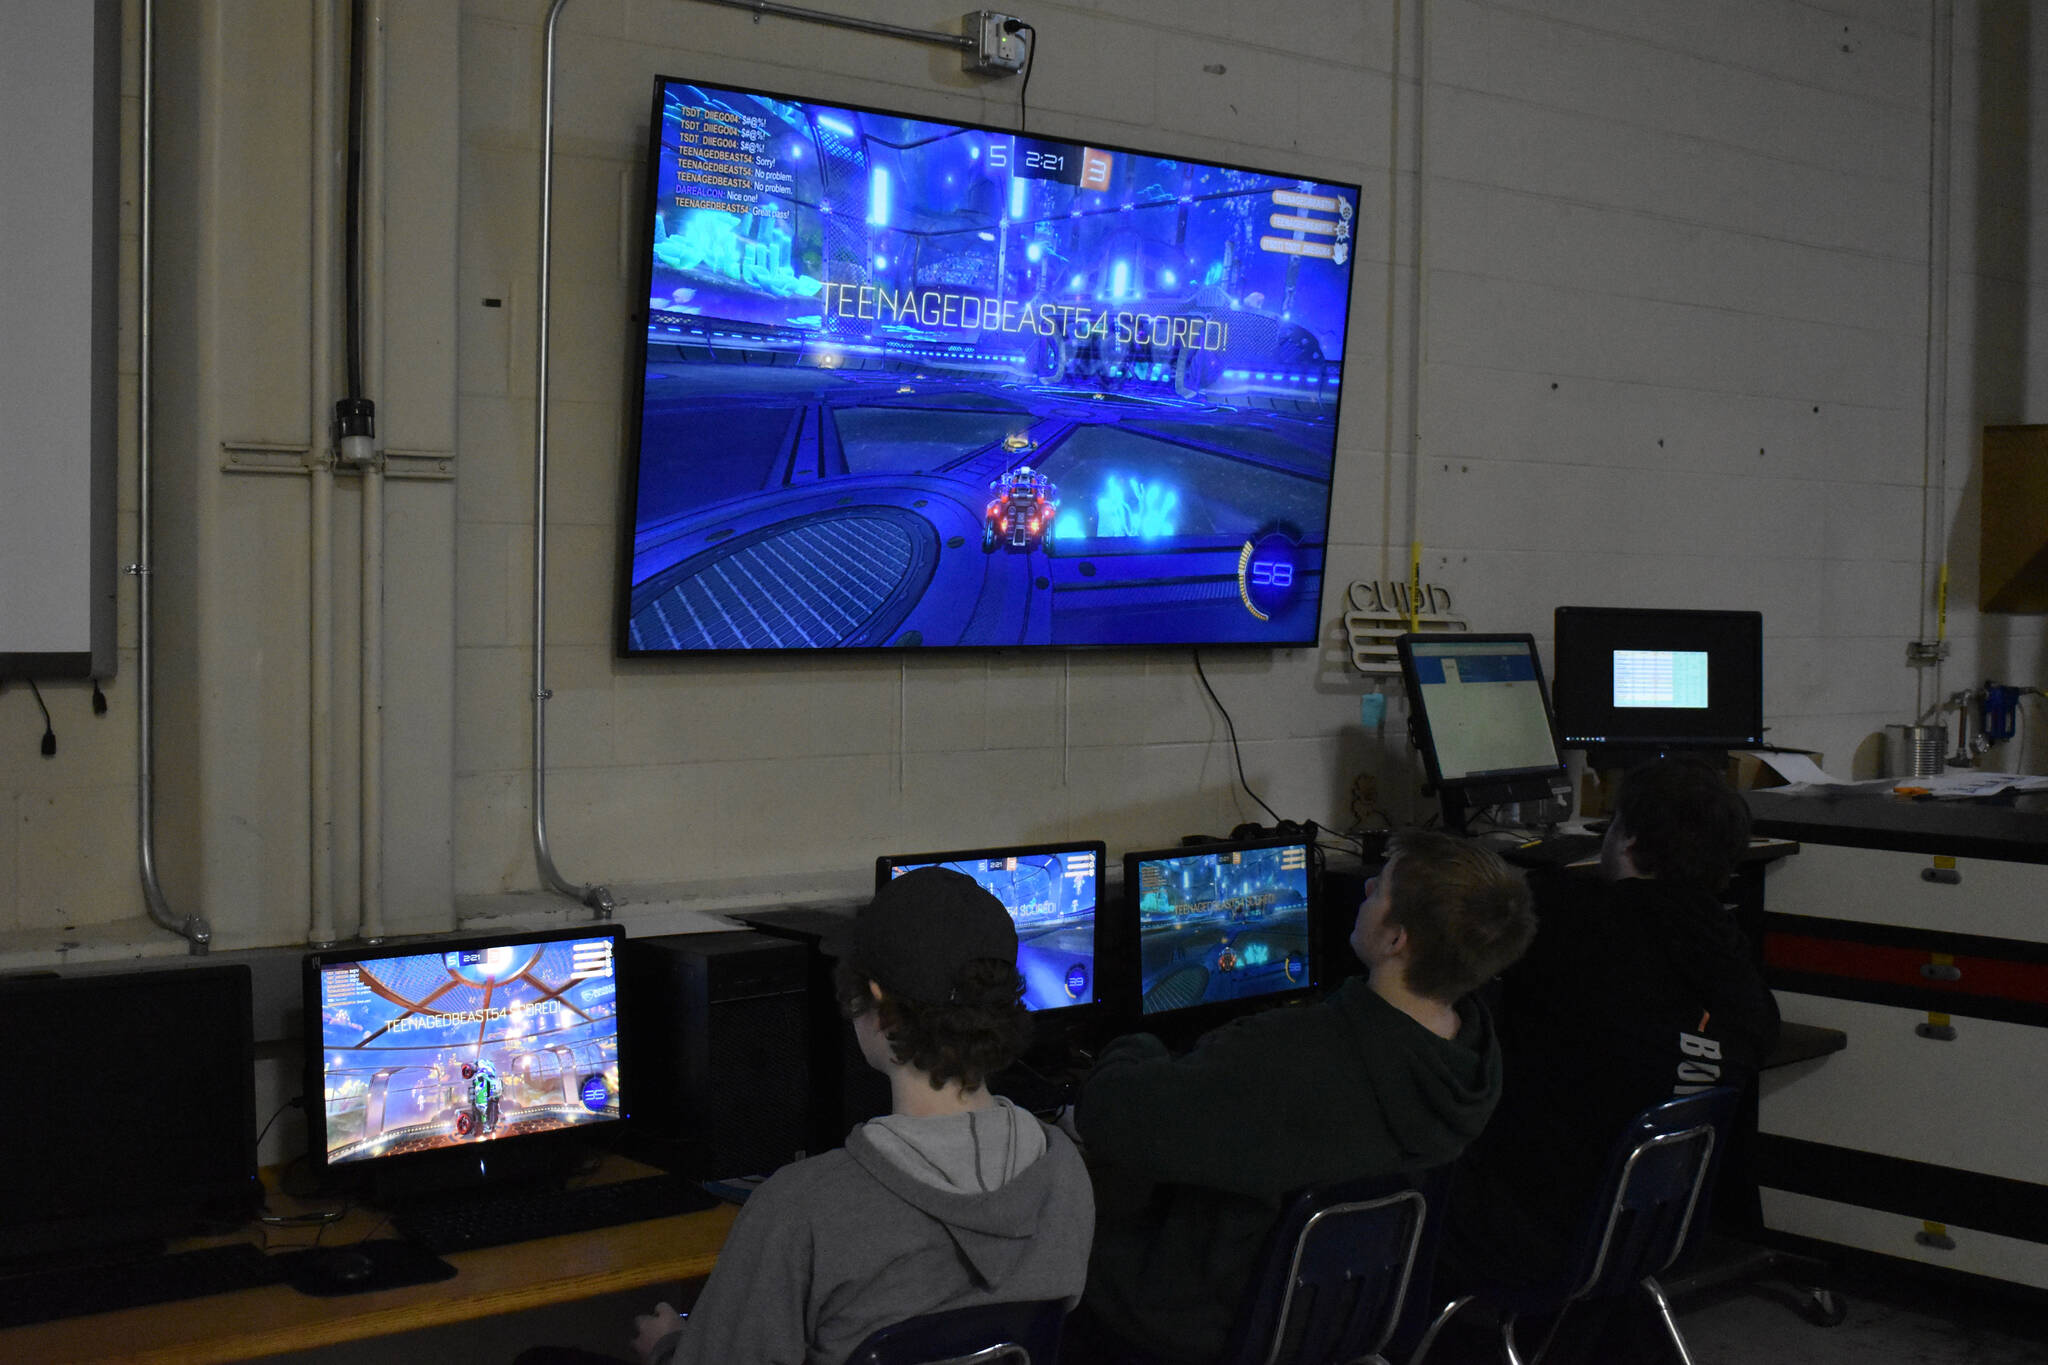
<point>954,1198</point>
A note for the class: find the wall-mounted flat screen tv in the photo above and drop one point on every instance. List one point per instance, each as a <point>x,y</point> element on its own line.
<point>909,383</point>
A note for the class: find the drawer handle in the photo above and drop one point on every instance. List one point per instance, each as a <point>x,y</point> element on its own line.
<point>1939,1241</point>
<point>1947,876</point>
<point>1940,1033</point>
<point>1941,971</point>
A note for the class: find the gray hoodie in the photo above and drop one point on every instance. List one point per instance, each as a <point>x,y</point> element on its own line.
<point>912,1216</point>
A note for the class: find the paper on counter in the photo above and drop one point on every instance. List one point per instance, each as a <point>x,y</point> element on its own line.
<point>1796,769</point>
<point>1962,782</point>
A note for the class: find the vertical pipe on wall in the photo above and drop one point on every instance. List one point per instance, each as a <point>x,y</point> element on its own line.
<point>598,898</point>
<point>371,270</point>
<point>1418,384</point>
<point>1934,438</point>
<point>320,473</point>
<point>196,931</point>
<point>1393,286</point>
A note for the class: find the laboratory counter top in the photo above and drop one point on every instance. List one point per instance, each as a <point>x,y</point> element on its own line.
<point>2006,828</point>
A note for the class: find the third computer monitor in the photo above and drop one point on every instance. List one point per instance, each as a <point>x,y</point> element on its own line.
<point>1220,925</point>
<point>1479,712</point>
<point>1050,891</point>
<point>1642,679</point>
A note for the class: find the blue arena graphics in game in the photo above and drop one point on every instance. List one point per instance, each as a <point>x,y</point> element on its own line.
<point>427,1050</point>
<point>1220,924</point>
<point>911,383</point>
<point>1050,892</point>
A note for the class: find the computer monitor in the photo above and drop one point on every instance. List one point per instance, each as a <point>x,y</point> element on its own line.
<point>1478,710</point>
<point>1220,926</point>
<point>1656,680</point>
<point>1051,892</point>
<point>464,1059</point>
<point>132,1116</point>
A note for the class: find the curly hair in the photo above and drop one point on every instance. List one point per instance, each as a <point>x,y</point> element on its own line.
<point>981,1030</point>
<point>1688,824</point>
<point>1468,914</point>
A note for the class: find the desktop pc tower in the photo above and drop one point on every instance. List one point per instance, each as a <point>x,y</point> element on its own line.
<point>845,1090</point>
<point>721,1052</point>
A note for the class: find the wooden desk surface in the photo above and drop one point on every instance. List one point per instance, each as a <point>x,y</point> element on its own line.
<point>506,1279</point>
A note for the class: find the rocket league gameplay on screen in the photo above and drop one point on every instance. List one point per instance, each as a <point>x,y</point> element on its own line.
<point>911,383</point>
<point>1051,896</point>
<point>434,1049</point>
<point>1222,926</point>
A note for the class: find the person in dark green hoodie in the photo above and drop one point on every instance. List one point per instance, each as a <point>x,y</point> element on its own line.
<point>1392,1073</point>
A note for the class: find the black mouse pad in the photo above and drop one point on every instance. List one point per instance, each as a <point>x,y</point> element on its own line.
<point>392,1263</point>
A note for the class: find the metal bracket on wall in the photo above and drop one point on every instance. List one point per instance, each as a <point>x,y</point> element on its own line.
<point>259,457</point>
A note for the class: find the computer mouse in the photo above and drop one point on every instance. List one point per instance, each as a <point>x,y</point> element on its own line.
<point>339,1270</point>
<point>347,1267</point>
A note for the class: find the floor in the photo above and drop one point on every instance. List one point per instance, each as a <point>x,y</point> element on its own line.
<point>1892,1320</point>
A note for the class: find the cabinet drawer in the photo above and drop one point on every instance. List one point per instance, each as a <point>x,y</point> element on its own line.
<point>1891,1234</point>
<point>1875,886</point>
<point>1919,969</point>
<point>1977,1103</point>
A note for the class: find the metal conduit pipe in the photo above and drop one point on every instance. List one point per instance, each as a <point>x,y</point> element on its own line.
<point>1418,364</point>
<point>598,898</point>
<point>1934,436</point>
<point>915,35</point>
<point>371,925</point>
<point>196,932</point>
<point>320,470</point>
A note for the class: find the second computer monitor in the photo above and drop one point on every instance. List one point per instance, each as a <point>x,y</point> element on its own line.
<point>1220,924</point>
<point>1050,891</point>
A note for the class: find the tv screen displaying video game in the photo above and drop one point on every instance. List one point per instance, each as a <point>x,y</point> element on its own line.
<point>1220,924</point>
<point>473,1043</point>
<point>1050,893</point>
<point>910,383</point>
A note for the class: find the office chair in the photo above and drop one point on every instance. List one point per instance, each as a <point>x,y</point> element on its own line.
<point>1026,1332</point>
<point>1337,1271</point>
<point>1641,1220</point>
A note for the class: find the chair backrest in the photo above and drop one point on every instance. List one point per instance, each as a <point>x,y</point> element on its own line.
<point>1653,1199</point>
<point>1337,1271</point>
<point>1026,1332</point>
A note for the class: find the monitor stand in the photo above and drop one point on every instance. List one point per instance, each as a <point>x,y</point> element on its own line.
<point>467,1170</point>
<point>1622,758</point>
<point>1462,802</point>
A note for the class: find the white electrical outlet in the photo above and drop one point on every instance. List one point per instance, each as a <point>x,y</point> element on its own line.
<point>1002,43</point>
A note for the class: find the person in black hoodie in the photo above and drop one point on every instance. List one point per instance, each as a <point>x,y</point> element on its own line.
<point>1391,1073</point>
<point>1639,987</point>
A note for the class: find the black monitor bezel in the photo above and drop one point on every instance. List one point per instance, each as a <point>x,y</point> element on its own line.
<point>1566,621</point>
<point>514,1155</point>
<point>1425,738</point>
<point>233,1191</point>
<point>1201,1017</point>
<point>1052,1016</point>
<point>621,644</point>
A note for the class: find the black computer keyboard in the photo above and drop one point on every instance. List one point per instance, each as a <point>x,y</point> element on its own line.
<point>73,1290</point>
<point>1553,850</point>
<point>495,1219</point>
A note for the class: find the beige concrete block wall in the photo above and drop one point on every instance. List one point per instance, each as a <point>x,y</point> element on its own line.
<point>1674,356</point>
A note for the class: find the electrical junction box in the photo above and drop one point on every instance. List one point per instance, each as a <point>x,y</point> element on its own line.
<point>1002,43</point>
